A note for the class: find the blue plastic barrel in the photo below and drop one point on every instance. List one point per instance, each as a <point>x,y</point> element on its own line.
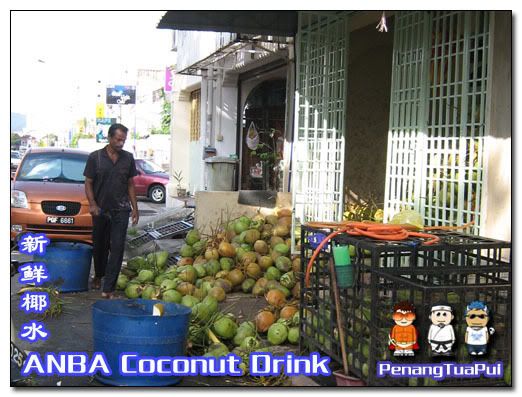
<point>68,264</point>
<point>125,326</point>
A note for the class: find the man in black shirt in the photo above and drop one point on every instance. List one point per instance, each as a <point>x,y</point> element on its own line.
<point>109,187</point>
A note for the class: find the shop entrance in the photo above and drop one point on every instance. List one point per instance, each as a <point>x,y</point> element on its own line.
<point>262,137</point>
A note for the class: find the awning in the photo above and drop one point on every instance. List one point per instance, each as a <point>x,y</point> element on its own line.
<point>274,23</point>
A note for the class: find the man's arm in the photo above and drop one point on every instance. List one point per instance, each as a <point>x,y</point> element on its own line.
<point>89,192</point>
<point>134,203</point>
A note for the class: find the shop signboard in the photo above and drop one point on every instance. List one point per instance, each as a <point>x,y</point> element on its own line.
<point>121,95</point>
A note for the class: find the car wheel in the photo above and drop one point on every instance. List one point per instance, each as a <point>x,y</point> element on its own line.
<point>157,194</point>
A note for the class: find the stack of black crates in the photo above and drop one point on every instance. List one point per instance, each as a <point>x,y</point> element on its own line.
<point>460,269</point>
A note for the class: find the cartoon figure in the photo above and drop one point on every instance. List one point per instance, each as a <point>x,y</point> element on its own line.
<point>441,335</point>
<point>403,336</point>
<point>477,334</point>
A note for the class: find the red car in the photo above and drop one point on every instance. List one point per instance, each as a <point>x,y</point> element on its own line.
<point>151,181</point>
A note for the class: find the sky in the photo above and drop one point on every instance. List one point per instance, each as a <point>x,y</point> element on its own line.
<point>57,58</point>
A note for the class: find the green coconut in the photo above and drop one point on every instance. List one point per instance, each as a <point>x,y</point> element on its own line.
<point>293,335</point>
<point>168,284</point>
<point>145,276</point>
<point>282,248</point>
<point>212,267</point>
<point>150,292</point>
<point>239,253</point>
<point>247,247</point>
<point>201,313</point>
<point>265,262</point>
<point>222,274</point>
<point>189,301</point>
<point>217,350</point>
<point>206,286</point>
<point>199,293</point>
<point>272,273</point>
<point>211,302</point>
<point>122,282</point>
<point>272,284</point>
<point>283,263</point>
<point>275,240</point>
<point>133,291</point>
<point>136,263</point>
<point>200,270</point>
<point>240,227</point>
<point>253,270</point>
<point>295,319</point>
<point>188,274</point>
<point>223,283</point>
<point>185,288</point>
<point>226,263</point>
<point>252,235</point>
<point>247,285</point>
<point>192,237</point>
<point>217,293</point>
<point>242,333</point>
<point>277,333</point>
<point>250,343</point>
<point>160,278</point>
<point>199,247</point>
<point>261,247</point>
<point>158,259</point>
<point>225,328</point>
<point>171,295</point>
<point>288,280</point>
<point>249,257</point>
<point>186,251</point>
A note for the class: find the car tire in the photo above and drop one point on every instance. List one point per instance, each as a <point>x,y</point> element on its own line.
<point>157,194</point>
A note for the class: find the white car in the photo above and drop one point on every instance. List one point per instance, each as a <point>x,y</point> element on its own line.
<point>16,159</point>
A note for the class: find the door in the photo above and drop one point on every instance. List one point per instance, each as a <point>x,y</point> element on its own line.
<point>264,116</point>
<point>437,116</point>
<point>320,112</point>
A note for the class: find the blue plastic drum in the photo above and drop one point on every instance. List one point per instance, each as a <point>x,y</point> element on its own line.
<point>125,326</point>
<point>68,265</point>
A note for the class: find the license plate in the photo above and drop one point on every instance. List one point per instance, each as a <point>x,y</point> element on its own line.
<point>17,355</point>
<point>60,220</point>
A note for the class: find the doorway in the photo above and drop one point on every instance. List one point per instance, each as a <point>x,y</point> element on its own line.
<point>262,136</point>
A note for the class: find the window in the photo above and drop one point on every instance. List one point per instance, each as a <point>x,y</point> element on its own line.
<point>195,115</point>
<point>53,167</point>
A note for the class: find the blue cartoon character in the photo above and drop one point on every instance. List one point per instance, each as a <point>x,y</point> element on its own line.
<point>477,334</point>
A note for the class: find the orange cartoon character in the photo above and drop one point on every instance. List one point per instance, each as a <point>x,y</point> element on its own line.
<point>403,336</point>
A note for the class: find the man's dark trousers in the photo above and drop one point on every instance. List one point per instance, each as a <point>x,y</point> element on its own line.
<point>108,235</point>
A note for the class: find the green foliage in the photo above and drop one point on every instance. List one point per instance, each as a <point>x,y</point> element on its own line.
<point>165,117</point>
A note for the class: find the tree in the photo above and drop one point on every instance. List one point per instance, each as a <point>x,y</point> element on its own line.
<point>15,139</point>
<point>165,116</point>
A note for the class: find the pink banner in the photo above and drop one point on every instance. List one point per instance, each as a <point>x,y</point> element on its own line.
<point>168,80</point>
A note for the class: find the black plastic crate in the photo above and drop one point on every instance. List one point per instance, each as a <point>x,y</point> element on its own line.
<point>425,292</point>
<point>458,270</point>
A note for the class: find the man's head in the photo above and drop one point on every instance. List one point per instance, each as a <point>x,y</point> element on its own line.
<point>441,315</point>
<point>477,314</point>
<point>404,314</point>
<point>117,136</point>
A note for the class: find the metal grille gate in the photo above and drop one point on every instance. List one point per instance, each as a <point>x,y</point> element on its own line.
<point>319,132</point>
<point>437,120</point>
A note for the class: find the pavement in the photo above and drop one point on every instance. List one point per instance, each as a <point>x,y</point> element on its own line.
<point>72,331</point>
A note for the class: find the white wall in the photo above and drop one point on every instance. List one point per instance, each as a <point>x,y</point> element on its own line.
<point>497,146</point>
<point>180,135</point>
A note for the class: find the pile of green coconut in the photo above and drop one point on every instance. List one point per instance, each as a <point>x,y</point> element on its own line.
<point>248,254</point>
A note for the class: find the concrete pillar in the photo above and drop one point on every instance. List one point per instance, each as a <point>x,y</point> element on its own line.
<point>496,197</point>
<point>180,140</point>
